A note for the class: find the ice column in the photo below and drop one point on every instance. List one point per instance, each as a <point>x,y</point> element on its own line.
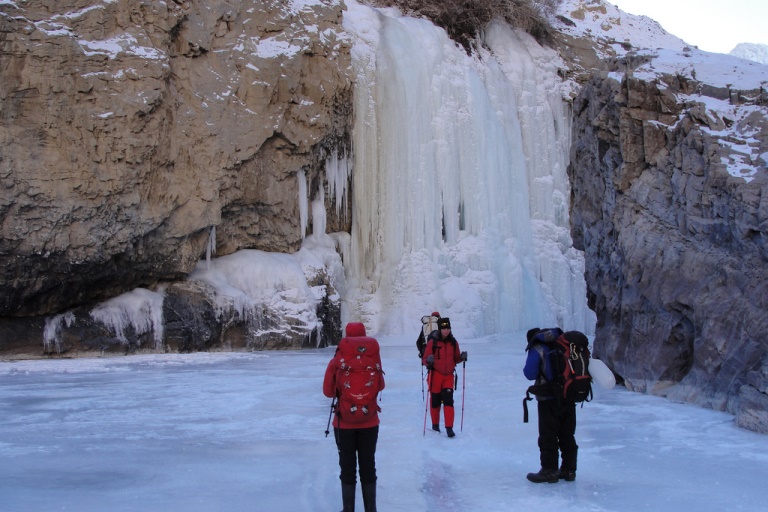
<point>459,186</point>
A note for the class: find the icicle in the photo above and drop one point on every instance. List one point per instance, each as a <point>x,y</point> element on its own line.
<point>318,212</point>
<point>337,172</point>
<point>211,247</point>
<point>140,309</point>
<point>52,330</point>
<point>301,178</point>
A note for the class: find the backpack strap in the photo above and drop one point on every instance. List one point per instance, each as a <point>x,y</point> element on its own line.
<point>527,399</point>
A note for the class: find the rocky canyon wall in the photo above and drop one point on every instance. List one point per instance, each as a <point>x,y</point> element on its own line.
<point>130,128</point>
<point>676,239</point>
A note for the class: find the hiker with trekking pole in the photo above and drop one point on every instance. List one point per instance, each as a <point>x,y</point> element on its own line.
<point>441,356</point>
<point>354,378</point>
<point>428,331</point>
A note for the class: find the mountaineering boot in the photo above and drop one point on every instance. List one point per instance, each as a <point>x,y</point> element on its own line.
<point>436,427</point>
<point>348,497</point>
<point>568,475</point>
<point>369,497</point>
<point>544,475</point>
<point>450,432</point>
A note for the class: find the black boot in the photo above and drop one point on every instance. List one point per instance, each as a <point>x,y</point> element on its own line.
<point>436,427</point>
<point>568,467</point>
<point>450,431</point>
<point>348,497</point>
<point>369,497</point>
<point>544,475</point>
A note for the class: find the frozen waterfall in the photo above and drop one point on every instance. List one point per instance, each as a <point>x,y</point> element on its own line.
<point>460,193</point>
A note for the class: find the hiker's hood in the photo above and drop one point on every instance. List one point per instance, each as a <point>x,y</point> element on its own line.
<point>355,329</point>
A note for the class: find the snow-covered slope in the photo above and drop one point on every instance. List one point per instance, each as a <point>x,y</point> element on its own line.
<point>751,51</point>
<point>614,31</point>
<point>730,88</point>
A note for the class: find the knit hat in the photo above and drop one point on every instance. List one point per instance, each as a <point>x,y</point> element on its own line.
<point>444,323</point>
<point>435,313</point>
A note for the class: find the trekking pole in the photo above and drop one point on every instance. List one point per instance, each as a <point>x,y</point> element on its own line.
<point>422,382</point>
<point>426,406</point>
<point>330,415</point>
<point>463,388</point>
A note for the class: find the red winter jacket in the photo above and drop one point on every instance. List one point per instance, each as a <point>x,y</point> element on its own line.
<point>348,348</point>
<point>447,354</point>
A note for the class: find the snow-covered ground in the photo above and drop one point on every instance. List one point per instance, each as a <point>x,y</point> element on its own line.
<point>245,432</point>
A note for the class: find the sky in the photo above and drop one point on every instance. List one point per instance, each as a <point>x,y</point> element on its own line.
<point>236,432</point>
<point>712,25</point>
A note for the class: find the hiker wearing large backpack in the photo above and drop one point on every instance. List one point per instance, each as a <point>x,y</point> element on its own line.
<point>354,378</point>
<point>427,331</point>
<point>441,356</point>
<point>556,409</point>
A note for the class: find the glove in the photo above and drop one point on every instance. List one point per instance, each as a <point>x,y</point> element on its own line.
<point>430,359</point>
<point>463,356</point>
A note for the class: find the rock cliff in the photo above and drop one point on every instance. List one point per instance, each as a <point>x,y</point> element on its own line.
<point>676,247</point>
<point>670,204</point>
<point>130,128</point>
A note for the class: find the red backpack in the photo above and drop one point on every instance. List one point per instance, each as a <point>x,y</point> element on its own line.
<point>573,366</point>
<point>569,356</point>
<point>358,378</point>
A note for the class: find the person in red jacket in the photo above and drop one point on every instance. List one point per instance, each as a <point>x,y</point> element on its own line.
<point>441,357</point>
<point>355,377</point>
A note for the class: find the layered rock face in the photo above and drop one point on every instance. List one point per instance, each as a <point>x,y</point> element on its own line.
<point>131,128</point>
<point>676,240</point>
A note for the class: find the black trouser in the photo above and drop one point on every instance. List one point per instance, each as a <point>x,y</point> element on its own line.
<point>557,428</point>
<point>357,445</point>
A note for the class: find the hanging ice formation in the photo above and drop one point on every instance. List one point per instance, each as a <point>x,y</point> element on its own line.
<point>460,194</point>
<point>210,247</point>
